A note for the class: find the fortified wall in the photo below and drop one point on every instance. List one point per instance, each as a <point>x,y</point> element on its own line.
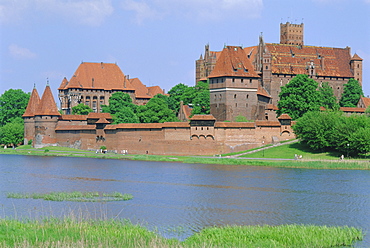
<point>201,135</point>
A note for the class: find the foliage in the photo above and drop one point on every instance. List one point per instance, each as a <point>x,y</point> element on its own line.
<point>122,108</point>
<point>352,93</point>
<point>299,96</point>
<point>197,96</point>
<point>155,111</point>
<point>103,148</point>
<point>74,196</point>
<point>176,96</point>
<point>81,109</point>
<point>328,131</point>
<point>327,98</point>
<point>12,133</point>
<point>75,232</point>
<point>13,104</point>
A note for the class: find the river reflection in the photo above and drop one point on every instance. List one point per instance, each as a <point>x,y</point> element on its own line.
<point>179,198</point>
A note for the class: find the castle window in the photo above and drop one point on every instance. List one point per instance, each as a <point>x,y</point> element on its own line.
<point>247,96</point>
<point>267,67</point>
<point>236,104</point>
<point>235,96</point>
<point>241,80</point>
<point>250,80</point>
<point>233,80</point>
<point>358,65</point>
<point>245,69</point>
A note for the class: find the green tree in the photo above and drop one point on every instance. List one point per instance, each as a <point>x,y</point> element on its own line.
<point>81,109</point>
<point>327,98</point>
<point>299,96</point>
<point>201,103</point>
<point>176,96</point>
<point>13,104</point>
<point>125,115</point>
<point>12,133</point>
<point>155,111</point>
<point>352,93</point>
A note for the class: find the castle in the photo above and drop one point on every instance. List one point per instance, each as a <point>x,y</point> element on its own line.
<point>93,83</point>
<point>246,81</point>
<point>243,81</point>
<point>202,135</point>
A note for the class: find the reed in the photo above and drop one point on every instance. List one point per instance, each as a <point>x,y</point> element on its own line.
<point>122,233</point>
<point>76,196</point>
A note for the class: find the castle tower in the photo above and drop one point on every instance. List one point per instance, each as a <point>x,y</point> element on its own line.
<point>29,116</point>
<point>291,34</point>
<point>46,119</point>
<point>356,67</point>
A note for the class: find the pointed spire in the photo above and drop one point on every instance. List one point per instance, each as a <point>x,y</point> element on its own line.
<point>356,57</point>
<point>47,104</point>
<point>33,103</point>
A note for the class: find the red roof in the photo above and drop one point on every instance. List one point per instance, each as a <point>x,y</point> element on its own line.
<point>271,106</point>
<point>73,117</point>
<point>103,121</point>
<point>268,123</point>
<point>141,91</point>
<point>356,57</point>
<point>74,127</point>
<point>47,104</point>
<point>261,91</point>
<point>235,124</point>
<point>105,76</point>
<point>233,61</point>
<point>33,104</point>
<point>155,90</point>
<point>203,117</point>
<point>366,101</point>
<point>99,115</point>
<point>293,59</point>
<point>352,110</point>
<point>284,117</point>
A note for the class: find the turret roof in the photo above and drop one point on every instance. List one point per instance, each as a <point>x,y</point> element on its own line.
<point>33,104</point>
<point>234,62</point>
<point>47,104</point>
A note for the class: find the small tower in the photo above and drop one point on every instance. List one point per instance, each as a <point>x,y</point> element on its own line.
<point>29,116</point>
<point>356,67</point>
<point>46,120</point>
<point>291,34</point>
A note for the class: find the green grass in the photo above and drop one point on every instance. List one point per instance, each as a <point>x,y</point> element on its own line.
<point>74,196</point>
<point>121,233</point>
<point>288,151</point>
<point>310,159</point>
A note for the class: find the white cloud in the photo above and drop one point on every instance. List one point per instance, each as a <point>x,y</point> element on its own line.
<point>87,12</point>
<point>18,52</point>
<point>143,10</point>
<point>195,9</point>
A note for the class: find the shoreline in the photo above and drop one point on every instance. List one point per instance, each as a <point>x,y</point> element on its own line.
<point>265,162</point>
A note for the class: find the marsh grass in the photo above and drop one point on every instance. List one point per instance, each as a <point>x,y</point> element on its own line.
<point>76,196</point>
<point>122,233</point>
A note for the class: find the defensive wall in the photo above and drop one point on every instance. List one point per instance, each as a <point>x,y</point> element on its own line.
<point>201,136</point>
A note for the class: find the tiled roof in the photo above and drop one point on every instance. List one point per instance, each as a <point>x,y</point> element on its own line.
<point>47,104</point>
<point>73,117</point>
<point>250,52</point>
<point>271,106</point>
<point>356,57</point>
<point>187,111</point>
<point>74,127</point>
<point>103,121</point>
<point>105,76</point>
<point>284,117</point>
<point>176,124</point>
<point>155,90</point>
<point>141,91</point>
<point>203,117</point>
<point>63,84</point>
<point>235,124</point>
<point>99,115</point>
<point>292,59</point>
<point>134,125</point>
<point>268,124</point>
<point>352,110</point>
<point>33,104</point>
<point>261,91</point>
<point>234,62</point>
<point>366,101</point>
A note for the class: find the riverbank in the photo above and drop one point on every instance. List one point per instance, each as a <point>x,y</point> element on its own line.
<point>228,160</point>
<point>121,233</point>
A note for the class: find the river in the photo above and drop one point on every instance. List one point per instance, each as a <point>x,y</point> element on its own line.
<point>179,199</point>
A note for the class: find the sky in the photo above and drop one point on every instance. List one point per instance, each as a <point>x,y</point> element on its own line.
<point>158,41</point>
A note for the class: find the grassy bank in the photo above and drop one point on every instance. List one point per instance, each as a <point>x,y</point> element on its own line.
<point>113,233</point>
<point>284,151</point>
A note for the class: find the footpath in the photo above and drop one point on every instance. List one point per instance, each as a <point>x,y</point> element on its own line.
<point>264,148</point>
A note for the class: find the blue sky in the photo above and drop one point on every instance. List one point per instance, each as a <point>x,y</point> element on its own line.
<point>158,41</point>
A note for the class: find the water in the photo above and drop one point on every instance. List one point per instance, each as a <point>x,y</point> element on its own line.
<point>179,199</point>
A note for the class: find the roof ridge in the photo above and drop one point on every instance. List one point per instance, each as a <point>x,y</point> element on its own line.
<point>33,104</point>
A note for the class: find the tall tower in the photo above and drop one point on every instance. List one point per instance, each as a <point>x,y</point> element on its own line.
<point>291,34</point>
<point>356,67</point>
<point>46,120</point>
<point>29,116</point>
